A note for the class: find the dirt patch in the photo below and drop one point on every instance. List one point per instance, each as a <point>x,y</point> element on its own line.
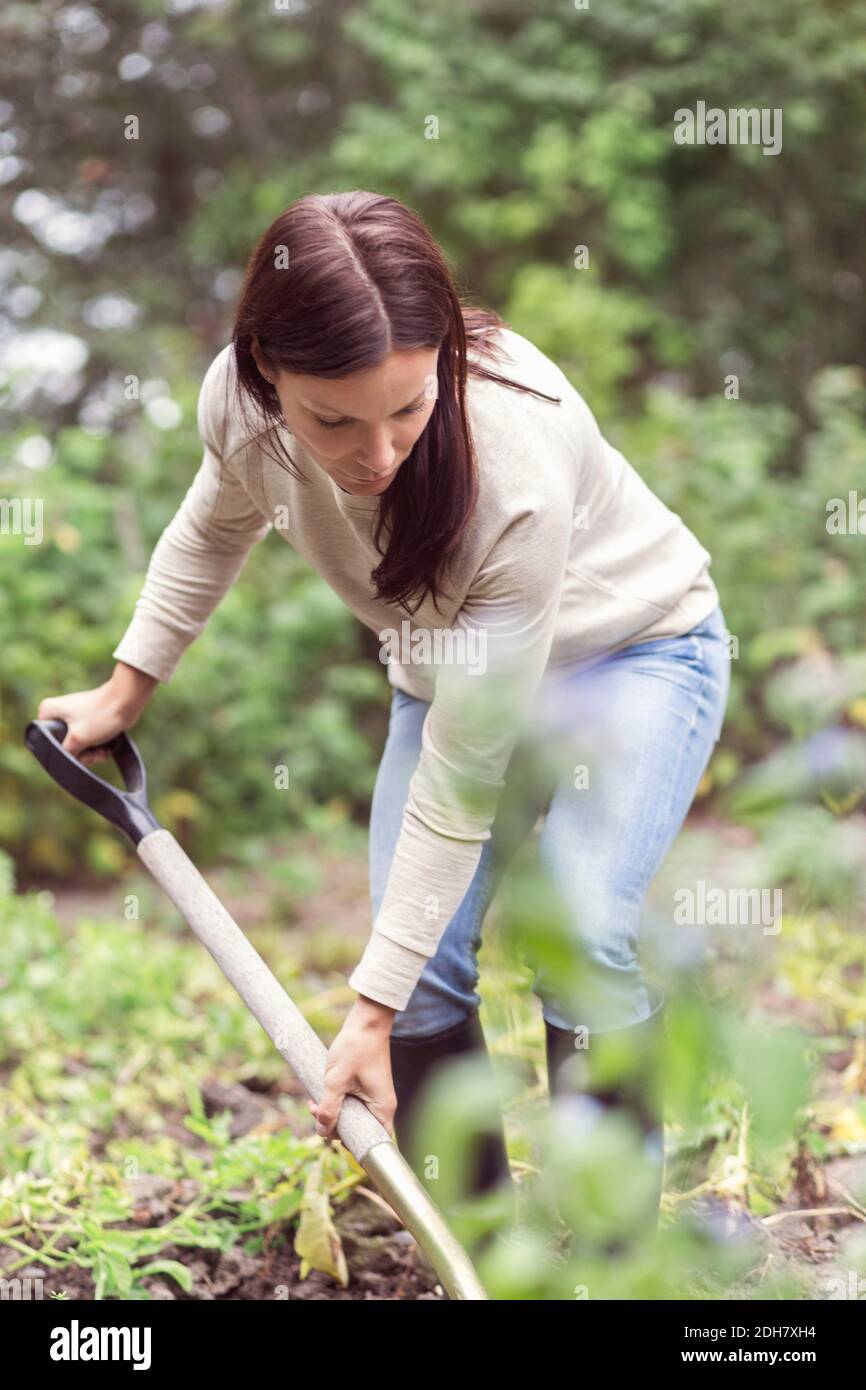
<point>343,896</point>
<point>384,1262</point>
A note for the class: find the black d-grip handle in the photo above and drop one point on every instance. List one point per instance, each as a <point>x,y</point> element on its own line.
<point>128,810</point>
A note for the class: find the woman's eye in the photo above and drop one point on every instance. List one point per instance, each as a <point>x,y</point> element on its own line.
<point>336,424</point>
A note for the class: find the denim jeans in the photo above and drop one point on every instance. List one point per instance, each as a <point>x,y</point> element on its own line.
<point>644,720</point>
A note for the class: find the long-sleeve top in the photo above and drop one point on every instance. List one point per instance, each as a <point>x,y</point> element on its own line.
<point>567,556</point>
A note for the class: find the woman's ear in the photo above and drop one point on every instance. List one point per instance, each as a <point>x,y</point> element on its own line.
<point>260,360</point>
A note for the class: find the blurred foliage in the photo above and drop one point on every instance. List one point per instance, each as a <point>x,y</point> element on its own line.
<point>235,720</point>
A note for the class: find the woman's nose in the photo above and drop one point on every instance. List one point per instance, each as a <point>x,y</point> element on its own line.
<point>373,464</point>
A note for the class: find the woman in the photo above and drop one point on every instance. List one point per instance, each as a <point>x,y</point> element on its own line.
<point>448,481</point>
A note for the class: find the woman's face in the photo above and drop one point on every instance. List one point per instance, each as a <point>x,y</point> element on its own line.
<point>359,428</point>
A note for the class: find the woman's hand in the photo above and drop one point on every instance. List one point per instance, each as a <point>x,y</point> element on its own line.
<point>359,1063</point>
<point>94,716</point>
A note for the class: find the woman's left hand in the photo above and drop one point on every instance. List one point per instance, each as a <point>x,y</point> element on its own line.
<point>359,1063</point>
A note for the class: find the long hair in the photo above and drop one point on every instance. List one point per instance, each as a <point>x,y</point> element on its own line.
<point>336,283</point>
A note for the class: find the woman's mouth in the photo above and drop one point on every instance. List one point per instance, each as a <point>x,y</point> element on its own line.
<point>368,482</point>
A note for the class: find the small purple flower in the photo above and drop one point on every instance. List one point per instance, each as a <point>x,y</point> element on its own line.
<point>826,751</point>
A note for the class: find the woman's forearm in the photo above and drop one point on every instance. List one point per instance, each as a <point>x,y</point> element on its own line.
<point>131,689</point>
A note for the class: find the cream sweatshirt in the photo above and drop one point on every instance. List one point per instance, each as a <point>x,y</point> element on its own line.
<point>568,556</point>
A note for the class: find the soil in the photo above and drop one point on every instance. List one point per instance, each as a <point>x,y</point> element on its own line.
<point>384,1263</point>
<point>384,1260</point>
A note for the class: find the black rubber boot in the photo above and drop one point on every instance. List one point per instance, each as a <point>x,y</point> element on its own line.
<point>622,1069</point>
<point>414,1061</point>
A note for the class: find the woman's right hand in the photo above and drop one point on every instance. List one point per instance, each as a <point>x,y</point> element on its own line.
<point>91,717</point>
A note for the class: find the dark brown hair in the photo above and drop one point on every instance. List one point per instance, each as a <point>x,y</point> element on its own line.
<point>362,278</point>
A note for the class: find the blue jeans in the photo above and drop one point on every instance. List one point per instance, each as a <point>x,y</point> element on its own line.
<point>643,723</point>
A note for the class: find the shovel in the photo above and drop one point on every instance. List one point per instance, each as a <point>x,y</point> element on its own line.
<point>363,1135</point>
